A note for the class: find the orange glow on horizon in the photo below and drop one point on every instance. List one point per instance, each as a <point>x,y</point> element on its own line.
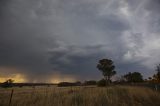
<point>18,78</point>
<point>11,73</point>
<point>56,78</point>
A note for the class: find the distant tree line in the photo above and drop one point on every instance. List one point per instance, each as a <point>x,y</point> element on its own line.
<point>7,83</point>
<point>65,84</point>
<point>107,67</point>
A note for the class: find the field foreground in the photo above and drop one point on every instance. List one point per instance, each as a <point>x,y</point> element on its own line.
<point>80,96</point>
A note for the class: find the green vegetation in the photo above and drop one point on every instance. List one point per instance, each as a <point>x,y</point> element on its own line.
<point>91,82</point>
<point>8,83</point>
<point>101,83</point>
<point>107,67</point>
<point>156,77</point>
<point>133,77</point>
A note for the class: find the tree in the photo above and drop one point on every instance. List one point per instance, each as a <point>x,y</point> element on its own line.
<point>133,77</point>
<point>156,77</point>
<point>8,83</point>
<point>107,68</point>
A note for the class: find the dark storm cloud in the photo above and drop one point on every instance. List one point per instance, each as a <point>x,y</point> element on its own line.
<point>22,44</point>
<point>153,7</point>
<point>77,60</point>
<point>70,36</point>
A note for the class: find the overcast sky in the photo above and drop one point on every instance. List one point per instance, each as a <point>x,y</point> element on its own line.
<point>64,39</point>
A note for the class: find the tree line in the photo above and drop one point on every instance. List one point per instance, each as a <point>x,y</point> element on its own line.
<point>107,67</point>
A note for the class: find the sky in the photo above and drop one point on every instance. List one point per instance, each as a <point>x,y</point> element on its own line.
<point>63,40</point>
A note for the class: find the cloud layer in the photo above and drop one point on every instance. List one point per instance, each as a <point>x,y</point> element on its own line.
<point>45,38</point>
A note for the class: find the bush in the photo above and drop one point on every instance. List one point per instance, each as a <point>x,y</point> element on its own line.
<point>101,83</point>
<point>8,83</point>
<point>91,82</point>
<point>65,84</point>
<point>134,77</point>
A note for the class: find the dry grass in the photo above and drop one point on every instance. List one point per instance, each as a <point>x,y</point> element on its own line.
<point>81,96</point>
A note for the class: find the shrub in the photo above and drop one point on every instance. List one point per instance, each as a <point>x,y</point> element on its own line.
<point>7,83</point>
<point>101,83</point>
<point>91,82</point>
<point>65,84</point>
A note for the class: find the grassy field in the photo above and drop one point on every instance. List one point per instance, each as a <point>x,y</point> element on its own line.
<point>80,96</point>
